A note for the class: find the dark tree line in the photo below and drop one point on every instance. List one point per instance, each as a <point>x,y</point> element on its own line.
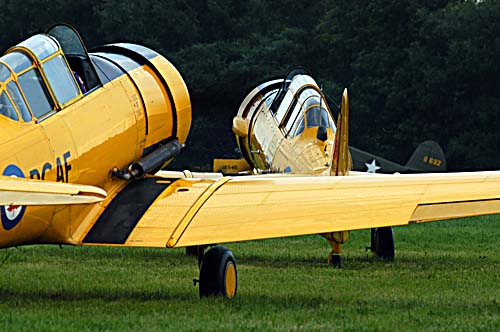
<point>415,70</point>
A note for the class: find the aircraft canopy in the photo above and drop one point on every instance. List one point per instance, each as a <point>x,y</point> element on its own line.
<point>35,80</point>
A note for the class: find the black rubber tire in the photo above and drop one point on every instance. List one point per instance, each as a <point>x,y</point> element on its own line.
<point>336,261</point>
<point>217,269</point>
<point>382,242</point>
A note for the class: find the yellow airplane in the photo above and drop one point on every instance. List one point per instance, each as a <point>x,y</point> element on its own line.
<point>286,126</point>
<point>84,134</point>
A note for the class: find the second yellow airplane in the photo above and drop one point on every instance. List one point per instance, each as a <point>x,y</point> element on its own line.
<point>82,136</point>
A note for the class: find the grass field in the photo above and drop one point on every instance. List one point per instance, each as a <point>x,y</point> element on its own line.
<point>446,277</point>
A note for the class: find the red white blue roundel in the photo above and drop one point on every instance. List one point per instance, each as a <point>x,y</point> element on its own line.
<point>11,215</point>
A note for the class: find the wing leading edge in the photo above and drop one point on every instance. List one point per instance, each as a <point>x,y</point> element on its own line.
<point>203,211</point>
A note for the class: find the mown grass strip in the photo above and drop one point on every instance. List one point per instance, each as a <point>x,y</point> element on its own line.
<point>446,277</point>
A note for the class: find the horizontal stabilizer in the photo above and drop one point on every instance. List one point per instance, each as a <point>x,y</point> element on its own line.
<point>18,191</point>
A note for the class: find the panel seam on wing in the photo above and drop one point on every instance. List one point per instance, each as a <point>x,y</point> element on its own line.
<point>193,210</point>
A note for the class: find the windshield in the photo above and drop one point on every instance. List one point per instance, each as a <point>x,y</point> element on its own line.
<point>317,117</point>
<point>6,107</point>
<point>312,112</point>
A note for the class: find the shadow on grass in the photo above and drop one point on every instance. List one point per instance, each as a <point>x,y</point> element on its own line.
<point>51,253</point>
<point>8,295</point>
<point>177,257</point>
<point>360,262</point>
<point>274,302</point>
<point>279,262</point>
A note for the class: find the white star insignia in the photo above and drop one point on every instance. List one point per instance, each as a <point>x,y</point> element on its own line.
<point>372,168</point>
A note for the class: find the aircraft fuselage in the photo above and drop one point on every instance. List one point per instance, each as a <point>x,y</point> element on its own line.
<point>138,103</point>
<point>286,126</point>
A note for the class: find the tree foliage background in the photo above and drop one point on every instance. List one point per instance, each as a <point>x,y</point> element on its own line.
<point>415,70</point>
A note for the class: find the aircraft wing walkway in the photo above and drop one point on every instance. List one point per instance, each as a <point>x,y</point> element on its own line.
<point>124,212</point>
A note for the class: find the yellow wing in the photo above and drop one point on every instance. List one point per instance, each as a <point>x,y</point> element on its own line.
<point>189,212</point>
<point>18,191</point>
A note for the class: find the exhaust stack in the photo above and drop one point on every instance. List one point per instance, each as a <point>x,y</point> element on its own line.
<point>151,162</point>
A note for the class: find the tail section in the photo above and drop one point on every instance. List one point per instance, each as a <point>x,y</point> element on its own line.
<point>428,157</point>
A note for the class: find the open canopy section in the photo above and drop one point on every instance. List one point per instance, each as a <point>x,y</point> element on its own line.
<point>76,54</point>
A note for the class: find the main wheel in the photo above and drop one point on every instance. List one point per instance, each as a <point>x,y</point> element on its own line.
<point>218,274</point>
<point>335,260</point>
<point>382,242</point>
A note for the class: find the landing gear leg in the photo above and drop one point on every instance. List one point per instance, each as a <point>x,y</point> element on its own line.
<point>192,251</point>
<point>218,274</point>
<point>382,243</point>
<point>334,258</point>
<point>197,251</point>
<point>336,239</point>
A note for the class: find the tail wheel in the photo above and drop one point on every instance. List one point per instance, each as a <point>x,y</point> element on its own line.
<point>218,274</point>
<point>382,242</point>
